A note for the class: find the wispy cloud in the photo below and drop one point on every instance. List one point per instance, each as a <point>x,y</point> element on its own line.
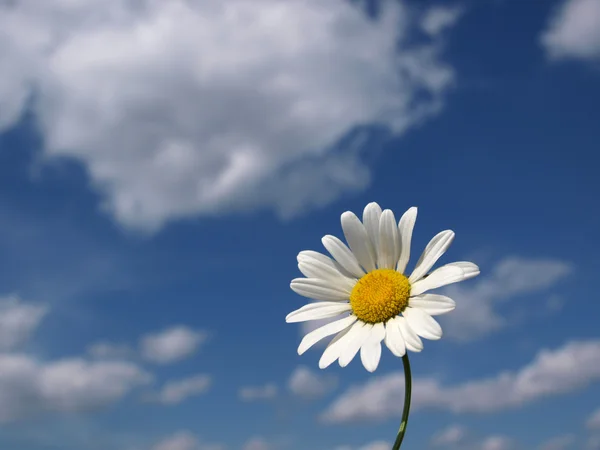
<point>439,18</point>
<point>563,442</point>
<point>185,440</point>
<point>477,303</point>
<point>257,443</point>
<point>176,391</point>
<point>593,422</point>
<point>573,31</point>
<point>497,443</point>
<point>108,350</point>
<point>457,437</point>
<point>549,374</point>
<point>253,393</point>
<point>449,436</point>
<point>308,384</point>
<point>172,344</point>
<point>18,321</point>
<point>375,445</point>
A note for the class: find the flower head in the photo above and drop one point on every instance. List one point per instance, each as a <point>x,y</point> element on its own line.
<point>365,284</point>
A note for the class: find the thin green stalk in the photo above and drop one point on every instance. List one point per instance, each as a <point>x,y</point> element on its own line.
<point>407,394</point>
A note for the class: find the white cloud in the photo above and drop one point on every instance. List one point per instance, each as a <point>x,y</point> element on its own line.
<point>559,443</point>
<point>192,107</point>
<point>574,31</point>
<point>29,386</point>
<point>171,345</point>
<point>18,321</point>
<point>251,393</point>
<point>107,350</point>
<point>550,373</point>
<point>376,445</point>
<point>257,443</point>
<point>593,423</point>
<point>308,384</point>
<point>497,443</point>
<point>452,435</point>
<point>459,438</point>
<point>262,443</point>
<point>438,18</point>
<point>593,442</point>
<point>181,440</point>
<point>477,302</point>
<point>174,392</point>
<point>185,440</point>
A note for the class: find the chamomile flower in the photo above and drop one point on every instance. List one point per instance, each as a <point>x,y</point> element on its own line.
<point>365,284</point>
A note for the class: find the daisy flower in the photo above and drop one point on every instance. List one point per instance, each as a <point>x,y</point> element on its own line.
<point>365,284</point>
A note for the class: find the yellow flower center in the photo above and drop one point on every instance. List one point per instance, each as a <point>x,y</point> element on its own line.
<point>380,295</point>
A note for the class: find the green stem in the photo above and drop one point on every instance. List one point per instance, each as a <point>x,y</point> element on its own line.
<point>407,394</point>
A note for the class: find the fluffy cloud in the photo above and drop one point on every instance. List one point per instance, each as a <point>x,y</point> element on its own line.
<point>452,435</point>
<point>550,373</point>
<point>459,438</point>
<point>439,18</point>
<point>559,443</point>
<point>29,386</point>
<point>497,443</point>
<point>184,440</point>
<point>377,445</point>
<point>174,392</point>
<point>574,31</point>
<point>593,442</point>
<point>107,350</point>
<point>252,393</point>
<point>593,423</point>
<point>18,321</point>
<point>477,302</point>
<point>257,443</point>
<point>310,385</point>
<point>191,107</point>
<point>171,345</point>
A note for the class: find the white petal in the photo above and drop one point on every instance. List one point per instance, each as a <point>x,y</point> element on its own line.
<point>471,270</point>
<point>371,216</point>
<point>335,347</point>
<point>322,271</point>
<point>354,344</point>
<point>316,311</point>
<point>394,339</point>
<point>370,352</point>
<point>312,256</point>
<point>442,276</point>
<point>422,323</point>
<point>358,240</point>
<point>309,255</point>
<point>389,241</point>
<point>343,255</point>
<point>432,304</point>
<point>326,330</point>
<point>436,248</point>
<point>319,290</point>
<point>412,341</point>
<point>405,230</point>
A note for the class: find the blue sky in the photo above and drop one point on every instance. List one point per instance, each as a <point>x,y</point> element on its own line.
<point>162,164</point>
